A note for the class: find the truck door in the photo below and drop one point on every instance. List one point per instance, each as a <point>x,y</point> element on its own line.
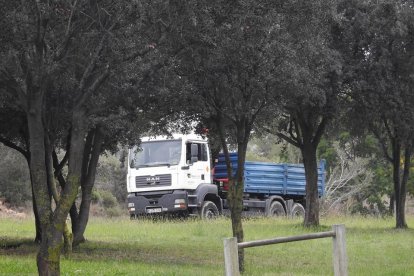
<point>197,159</point>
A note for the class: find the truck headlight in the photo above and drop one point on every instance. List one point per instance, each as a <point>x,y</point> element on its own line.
<point>180,203</point>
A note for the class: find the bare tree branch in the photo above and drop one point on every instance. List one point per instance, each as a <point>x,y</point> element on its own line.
<point>91,66</point>
<point>14,146</point>
<point>383,144</point>
<point>58,166</point>
<point>288,139</point>
<point>96,84</point>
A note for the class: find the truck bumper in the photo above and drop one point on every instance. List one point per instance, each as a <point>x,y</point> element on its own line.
<point>149,203</point>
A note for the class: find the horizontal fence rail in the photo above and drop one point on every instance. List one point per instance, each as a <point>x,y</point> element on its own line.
<point>287,239</point>
<point>340,259</point>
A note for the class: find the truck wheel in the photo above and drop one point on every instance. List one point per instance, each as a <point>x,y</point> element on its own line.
<point>276,210</point>
<point>298,211</point>
<point>209,210</point>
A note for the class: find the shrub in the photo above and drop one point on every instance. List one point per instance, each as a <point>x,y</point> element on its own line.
<point>108,199</point>
<point>115,211</point>
<point>14,178</point>
<point>96,196</point>
<point>111,176</point>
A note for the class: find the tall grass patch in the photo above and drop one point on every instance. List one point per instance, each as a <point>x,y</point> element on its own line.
<point>120,246</point>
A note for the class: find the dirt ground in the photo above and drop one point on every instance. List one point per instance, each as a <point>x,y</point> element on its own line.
<point>6,211</point>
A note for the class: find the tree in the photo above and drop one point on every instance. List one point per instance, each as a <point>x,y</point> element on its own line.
<point>228,62</point>
<point>308,94</point>
<point>14,134</point>
<point>43,55</point>
<point>356,174</point>
<point>378,45</point>
<point>58,58</point>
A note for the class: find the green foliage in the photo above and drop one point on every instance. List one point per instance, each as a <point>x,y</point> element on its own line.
<point>374,199</point>
<point>111,176</point>
<point>115,211</point>
<point>327,151</point>
<point>14,178</point>
<point>95,196</point>
<point>108,199</point>
<point>377,42</point>
<point>269,148</point>
<point>109,193</point>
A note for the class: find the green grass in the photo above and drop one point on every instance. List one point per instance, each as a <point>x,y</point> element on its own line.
<point>194,247</point>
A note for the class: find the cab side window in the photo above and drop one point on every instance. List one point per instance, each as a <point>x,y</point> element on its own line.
<point>202,152</point>
<point>188,153</point>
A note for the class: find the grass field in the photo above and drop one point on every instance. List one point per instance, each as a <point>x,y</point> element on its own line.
<point>194,247</point>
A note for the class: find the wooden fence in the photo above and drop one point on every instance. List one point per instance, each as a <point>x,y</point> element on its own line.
<point>340,259</point>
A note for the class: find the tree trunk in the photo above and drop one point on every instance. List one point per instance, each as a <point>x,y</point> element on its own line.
<point>406,172</point>
<point>67,235</point>
<point>235,193</point>
<point>47,260</point>
<point>400,183</point>
<point>400,212</point>
<point>236,201</point>
<point>91,161</point>
<point>38,237</point>
<point>392,204</point>
<point>399,186</point>
<point>311,174</point>
<point>73,212</point>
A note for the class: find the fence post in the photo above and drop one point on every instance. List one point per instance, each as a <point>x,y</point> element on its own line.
<point>231,257</point>
<point>340,259</point>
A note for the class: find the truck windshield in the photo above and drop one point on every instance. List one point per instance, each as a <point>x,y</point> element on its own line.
<point>155,153</point>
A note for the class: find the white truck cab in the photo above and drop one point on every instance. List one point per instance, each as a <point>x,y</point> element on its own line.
<point>171,175</point>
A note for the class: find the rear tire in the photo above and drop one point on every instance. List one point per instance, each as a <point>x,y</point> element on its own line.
<point>298,211</point>
<point>209,210</point>
<point>276,210</point>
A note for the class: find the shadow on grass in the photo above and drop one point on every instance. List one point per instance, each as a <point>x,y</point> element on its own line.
<point>378,230</point>
<point>16,246</point>
<point>110,251</point>
<point>147,253</point>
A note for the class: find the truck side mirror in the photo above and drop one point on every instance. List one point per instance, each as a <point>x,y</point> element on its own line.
<point>194,153</point>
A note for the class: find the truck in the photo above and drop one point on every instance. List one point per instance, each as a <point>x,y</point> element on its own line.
<point>271,189</point>
<point>175,175</point>
<point>172,175</point>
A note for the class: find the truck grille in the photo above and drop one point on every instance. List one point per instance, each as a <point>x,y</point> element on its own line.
<point>153,180</point>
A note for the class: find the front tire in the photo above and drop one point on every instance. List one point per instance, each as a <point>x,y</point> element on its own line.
<point>209,210</point>
<point>276,210</point>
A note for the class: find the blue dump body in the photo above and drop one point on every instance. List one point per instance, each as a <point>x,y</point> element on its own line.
<point>271,178</point>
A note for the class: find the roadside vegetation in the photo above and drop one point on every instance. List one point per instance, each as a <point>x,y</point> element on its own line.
<point>355,185</point>
<point>194,247</point>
